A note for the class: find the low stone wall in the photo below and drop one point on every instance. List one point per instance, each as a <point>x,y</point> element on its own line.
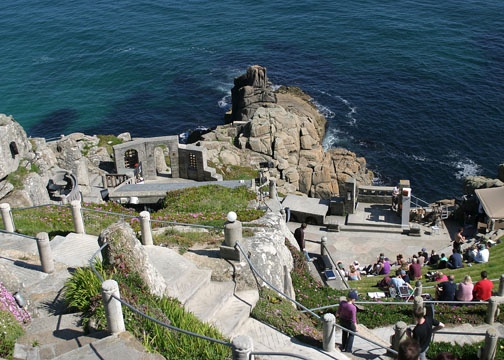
<point>375,194</point>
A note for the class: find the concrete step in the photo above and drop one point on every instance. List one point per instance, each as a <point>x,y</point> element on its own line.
<point>182,277</point>
<point>74,250</point>
<point>210,299</point>
<point>235,312</point>
<point>122,346</point>
<point>49,337</point>
<point>394,229</point>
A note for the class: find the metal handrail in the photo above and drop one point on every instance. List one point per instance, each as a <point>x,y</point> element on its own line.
<point>336,267</point>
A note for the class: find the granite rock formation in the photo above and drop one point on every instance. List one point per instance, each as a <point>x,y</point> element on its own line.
<point>285,129</point>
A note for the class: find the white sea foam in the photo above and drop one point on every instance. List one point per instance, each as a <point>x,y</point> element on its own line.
<point>225,102</point>
<point>335,137</point>
<point>352,120</point>
<point>466,167</point>
<point>324,110</point>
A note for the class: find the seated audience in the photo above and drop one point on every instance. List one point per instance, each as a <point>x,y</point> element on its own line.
<point>465,289</point>
<point>353,273</point>
<point>415,270</point>
<point>434,258</point>
<point>446,290</point>
<point>481,255</point>
<point>443,261</point>
<point>398,280</point>
<point>440,277</point>
<point>455,260</point>
<point>483,288</point>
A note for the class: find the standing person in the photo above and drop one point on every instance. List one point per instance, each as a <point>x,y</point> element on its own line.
<point>423,330</point>
<point>347,314</point>
<point>459,240</point>
<point>395,198</point>
<point>299,235</point>
<point>483,288</point>
<point>465,289</point>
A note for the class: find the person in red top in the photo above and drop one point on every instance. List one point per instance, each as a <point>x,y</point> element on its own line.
<point>483,288</point>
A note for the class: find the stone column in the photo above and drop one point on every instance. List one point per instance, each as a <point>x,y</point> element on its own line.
<point>113,309</point>
<point>272,188</point>
<point>77,217</point>
<point>45,253</point>
<point>145,227</point>
<point>328,332</point>
<point>493,304</point>
<point>232,230</point>
<point>490,345</point>
<point>501,286</point>
<point>323,243</point>
<point>350,196</point>
<point>8,222</point>
<point>399,334</point>
<point>417,303</point>
<point>243,345</point>
<point>418,288</point>
<point>405,203</point>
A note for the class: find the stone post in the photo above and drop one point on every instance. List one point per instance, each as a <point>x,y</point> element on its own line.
<point>323,243</point>
<point>417,303</point>
<point>8,221</point>
<point>113,309</point>
<point>418,289</point>
<point>45,253</point>
<point>145,227</point>
<point>399,334</point>
<point>491,310</point>
<point>350,196</point>
<point>328,332</point>
<point>243,346</point>
<point>501,286</point>
<point>232,235</point>
<point>272,188</point>
<point>232,230</point>
<point>490,346</point>
<point>104,181</point>
<point>77,217</point>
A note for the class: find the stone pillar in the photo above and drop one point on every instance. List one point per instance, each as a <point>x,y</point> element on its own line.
<point>113,309</point>
<point>45,253</point>
<point>104,181</point>
<point>8,221</point>
<point>418,289</point>
<point>501,286</point>
<point>323,244</point>
<point>405,203</point>
<point>145,227</point>
<point>490,345</point>
<point>232,235</point>
<point>243,346</point>
<point>232,230</point>
<point>328,332</point>
<point>77,217</point>
<point>272,188</point>
<point>493,305</point>
<point>350,195</point>
<point>399,334</point>
<point>418,303</point>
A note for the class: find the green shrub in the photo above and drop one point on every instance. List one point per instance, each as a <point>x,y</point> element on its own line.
<point>10,330</point>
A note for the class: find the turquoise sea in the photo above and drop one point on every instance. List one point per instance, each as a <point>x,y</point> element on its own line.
<point>416,87</point>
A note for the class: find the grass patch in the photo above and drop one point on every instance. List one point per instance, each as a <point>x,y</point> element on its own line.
<point>187,239</point>
<point>10,330</point>
<point>109,141</point>
<point>234,172</point>
<point>208,205</point>
<point>17,177</point>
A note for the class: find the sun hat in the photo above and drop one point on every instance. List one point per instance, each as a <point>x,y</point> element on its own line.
<point>403,272</point>
<point>353,295</point>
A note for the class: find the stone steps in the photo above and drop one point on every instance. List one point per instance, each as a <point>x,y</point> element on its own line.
<point>235,312</point>
<point>210,299</point>
<point>49,337</point>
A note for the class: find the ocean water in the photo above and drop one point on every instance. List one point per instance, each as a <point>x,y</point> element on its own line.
<point>416,88</point>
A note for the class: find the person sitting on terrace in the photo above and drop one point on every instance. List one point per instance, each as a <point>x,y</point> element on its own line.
<point>481,255</point>
<point>465,289</point>
<point>398,280</point>
<point>353,273</point>
<point>443,262</point>
<point>455,260</point>
<point>446,290</point>
<point>483,288</point>
<point>440,277</point>
<point>415,270</point>
<point>434,258</point>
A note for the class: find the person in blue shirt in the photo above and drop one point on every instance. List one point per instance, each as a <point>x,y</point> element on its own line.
<point>455,260</point>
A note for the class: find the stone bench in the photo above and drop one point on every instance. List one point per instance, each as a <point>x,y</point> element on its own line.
<point>332,224</point>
